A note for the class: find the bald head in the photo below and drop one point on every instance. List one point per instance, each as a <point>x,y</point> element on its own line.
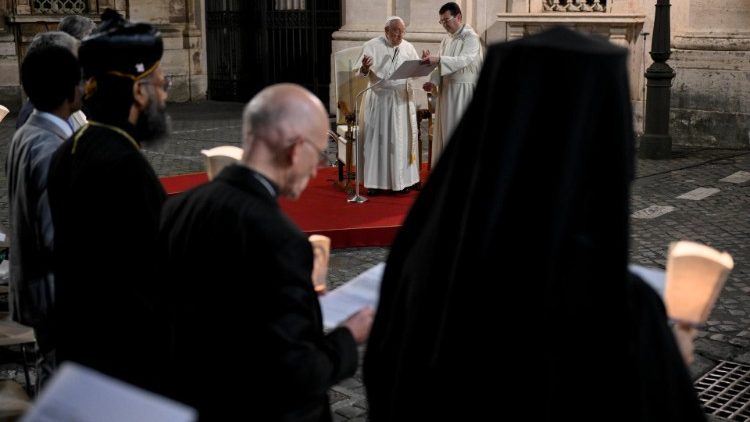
<point>285,133</point>
<point>280,111</point>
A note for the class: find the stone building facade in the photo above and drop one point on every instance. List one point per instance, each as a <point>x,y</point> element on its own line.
<point>180,22</point>
<point>710,45</point>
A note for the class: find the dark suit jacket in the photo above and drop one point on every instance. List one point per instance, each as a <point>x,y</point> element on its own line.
<point>239,273</point>
<point>31,278</point>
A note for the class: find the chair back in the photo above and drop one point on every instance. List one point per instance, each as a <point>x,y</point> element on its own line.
<point>348,84</point>
<point>219,157</point>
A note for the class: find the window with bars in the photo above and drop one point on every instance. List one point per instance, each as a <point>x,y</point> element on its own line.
<point>575,5</point>
<point>60,7</point>
<point>289,5</point>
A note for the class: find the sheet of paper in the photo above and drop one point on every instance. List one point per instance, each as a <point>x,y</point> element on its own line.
<point>412,69</point>
<point>654,277</point>
<point>80,394</point>
<point>344,301</point>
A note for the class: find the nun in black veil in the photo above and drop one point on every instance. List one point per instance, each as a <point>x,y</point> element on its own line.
<point>520,239</point>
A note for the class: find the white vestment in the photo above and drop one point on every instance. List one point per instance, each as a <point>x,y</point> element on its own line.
<point>388,122</point>
<point>455,78</point>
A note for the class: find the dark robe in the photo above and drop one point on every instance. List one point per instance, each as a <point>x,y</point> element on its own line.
<point>105,201</point>
<point>507,290</point>
<point>240,273</point>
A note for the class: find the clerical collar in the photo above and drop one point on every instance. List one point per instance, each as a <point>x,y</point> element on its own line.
<point>267,183</point>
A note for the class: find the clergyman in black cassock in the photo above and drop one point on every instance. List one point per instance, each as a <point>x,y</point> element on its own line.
<point>240,274</point>
<point>105,201</point>
<point>507,289</point>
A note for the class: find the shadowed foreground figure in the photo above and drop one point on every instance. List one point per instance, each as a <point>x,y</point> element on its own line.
<point>521,238</point>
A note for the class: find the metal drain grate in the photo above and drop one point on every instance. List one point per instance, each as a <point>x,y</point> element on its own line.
<point>725,391</point>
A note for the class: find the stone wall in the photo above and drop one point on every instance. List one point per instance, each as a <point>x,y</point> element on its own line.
<point>180,22</point>
<point>711,56</point>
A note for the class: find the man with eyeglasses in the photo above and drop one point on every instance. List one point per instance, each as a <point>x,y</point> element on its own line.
<point>453,81</point>
<point>243,270</point>
<point>388,130</point>
<point>105,200</point>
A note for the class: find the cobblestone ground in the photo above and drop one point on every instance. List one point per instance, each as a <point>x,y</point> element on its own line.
<point>721,220</point>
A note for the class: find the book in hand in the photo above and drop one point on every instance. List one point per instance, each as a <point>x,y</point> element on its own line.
<point>654,277</point>
<point>412,69</point>
<point>694,277</point>
<point>77,393</point>
<point>344,301</point>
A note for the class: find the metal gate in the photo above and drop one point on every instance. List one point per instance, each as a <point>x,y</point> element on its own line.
<point>252,44</point>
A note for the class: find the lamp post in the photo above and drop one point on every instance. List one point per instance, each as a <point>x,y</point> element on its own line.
<point>656,141</point>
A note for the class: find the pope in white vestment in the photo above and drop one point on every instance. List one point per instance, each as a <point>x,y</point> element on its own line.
<point>388,123</point>
<point>453,81</point>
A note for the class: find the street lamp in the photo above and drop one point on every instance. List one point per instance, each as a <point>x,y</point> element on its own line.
<point>656,141</point>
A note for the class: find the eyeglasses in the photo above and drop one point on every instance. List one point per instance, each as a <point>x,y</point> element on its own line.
<point>165,85</point>
<point>322,156</point>
<point>397,32</point>
<point>446,20</point>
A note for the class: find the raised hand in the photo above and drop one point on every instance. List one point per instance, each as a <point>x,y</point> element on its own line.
<point>366,63</point>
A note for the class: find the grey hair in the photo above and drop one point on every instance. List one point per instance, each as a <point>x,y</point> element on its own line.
<point>390,19</point>
<point>54,38</point>
<point>76,25</point>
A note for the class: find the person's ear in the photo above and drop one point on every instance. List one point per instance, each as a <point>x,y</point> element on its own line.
<point>293,153</point>
<point>140,95</point>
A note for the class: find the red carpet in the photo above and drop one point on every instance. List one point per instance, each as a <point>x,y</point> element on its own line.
<point>323,209</point>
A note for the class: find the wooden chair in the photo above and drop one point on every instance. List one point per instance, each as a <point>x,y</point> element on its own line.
<point>426,113</point>
<point>15,334</point>
<point>219,157</point>
<point>14,401</point>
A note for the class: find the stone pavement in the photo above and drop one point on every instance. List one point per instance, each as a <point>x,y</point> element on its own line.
<point>721,220</point>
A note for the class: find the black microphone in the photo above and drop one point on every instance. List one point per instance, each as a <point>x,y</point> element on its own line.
<point>395,54</point>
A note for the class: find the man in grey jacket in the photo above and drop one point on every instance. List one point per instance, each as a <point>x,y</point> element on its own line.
<point>55,95</point>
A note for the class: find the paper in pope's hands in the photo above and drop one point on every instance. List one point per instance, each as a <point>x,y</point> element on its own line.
<point>344,301</point>
<point>412,69</point>
<point>80,394</point>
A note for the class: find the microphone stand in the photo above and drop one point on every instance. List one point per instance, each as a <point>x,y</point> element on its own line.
<point>357,198</point>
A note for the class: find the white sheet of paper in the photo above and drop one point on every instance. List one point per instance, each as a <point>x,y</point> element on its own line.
<point>654,277</point>
<point>412,69</point>
<point>355,294</point>
<point>80,394</point>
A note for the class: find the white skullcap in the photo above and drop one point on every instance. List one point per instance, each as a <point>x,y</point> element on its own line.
<point>390,19</point>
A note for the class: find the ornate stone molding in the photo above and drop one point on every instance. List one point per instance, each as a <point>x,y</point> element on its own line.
<point>712,41</point>
<point>621,28</point>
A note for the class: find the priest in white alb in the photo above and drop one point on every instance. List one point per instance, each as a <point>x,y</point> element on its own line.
<point>453,81</point>
<point>388,122</point>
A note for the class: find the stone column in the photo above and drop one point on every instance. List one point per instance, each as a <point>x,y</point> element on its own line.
<point>711,93</point>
